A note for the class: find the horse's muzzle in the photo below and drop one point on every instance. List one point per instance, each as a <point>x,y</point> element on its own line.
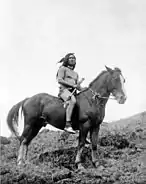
<point>121,99</point>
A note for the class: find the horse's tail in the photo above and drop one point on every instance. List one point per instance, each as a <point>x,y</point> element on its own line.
<point>15,119</point>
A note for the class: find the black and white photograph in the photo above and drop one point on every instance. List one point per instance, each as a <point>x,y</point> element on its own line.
<point>73,91</point>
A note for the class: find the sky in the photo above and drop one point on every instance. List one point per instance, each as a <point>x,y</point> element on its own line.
<point>36,34</point>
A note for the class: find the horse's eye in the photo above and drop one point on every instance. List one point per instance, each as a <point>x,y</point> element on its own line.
<point>115,78</point>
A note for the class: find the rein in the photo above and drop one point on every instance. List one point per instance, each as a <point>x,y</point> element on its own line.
<point>97,95</point>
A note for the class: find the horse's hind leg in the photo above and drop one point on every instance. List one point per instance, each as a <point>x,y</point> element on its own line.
<point>22,152</point>
<point>28,134</point>
<point>23,146</point>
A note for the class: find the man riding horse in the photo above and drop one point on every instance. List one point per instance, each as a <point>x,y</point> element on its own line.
<point>69,81</point>
<point>87,116</point>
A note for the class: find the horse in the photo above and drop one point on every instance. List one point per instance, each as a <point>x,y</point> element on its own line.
<point>42,109</point>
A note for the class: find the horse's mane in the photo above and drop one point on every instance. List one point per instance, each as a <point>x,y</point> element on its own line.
<point>91,83</point>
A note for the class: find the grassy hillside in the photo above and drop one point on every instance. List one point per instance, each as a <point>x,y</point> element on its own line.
<point>133,122</point>
<point>51,156</point>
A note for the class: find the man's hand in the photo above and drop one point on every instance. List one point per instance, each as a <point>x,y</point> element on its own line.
<point>84,88</point>
<point>75,86</point>
<point>78,85</point>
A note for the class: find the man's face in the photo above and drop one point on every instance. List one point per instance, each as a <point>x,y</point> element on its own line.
<point>71,61</point>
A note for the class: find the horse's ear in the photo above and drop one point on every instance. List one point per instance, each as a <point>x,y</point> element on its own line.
<point>109,69</point>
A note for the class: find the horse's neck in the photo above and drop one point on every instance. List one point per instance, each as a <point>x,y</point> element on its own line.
<point>100,85</point>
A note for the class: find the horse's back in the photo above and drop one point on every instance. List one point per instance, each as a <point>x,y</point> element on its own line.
<point>43,97</point>
<point>35,104</point>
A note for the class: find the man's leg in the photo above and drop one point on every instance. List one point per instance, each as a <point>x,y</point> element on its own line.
<point>70,107</point>
<point>65,95</point>
<point>69,111</point>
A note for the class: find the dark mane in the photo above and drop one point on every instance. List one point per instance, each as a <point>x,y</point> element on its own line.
<point>91,83</point>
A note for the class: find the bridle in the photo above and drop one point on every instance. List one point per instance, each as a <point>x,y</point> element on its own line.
<point>98,95</point>
<point>94,97</point>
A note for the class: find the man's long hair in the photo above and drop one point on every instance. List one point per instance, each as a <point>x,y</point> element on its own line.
<point>64,60</point>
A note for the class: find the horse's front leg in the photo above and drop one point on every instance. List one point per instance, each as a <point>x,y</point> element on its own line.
<point>94,138</point>
<point>82,140</point>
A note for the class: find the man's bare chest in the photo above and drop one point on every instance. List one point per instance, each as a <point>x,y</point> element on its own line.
<point>71,74</point>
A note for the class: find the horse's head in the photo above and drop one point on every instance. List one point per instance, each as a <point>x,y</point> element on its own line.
<point>116,84</point>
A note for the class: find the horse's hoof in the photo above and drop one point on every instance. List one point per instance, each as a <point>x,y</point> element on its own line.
<point>96,164</point>
<point>20,163</point>
<point>87,145</point>
<point>80,167</point>
<point>87,141</point>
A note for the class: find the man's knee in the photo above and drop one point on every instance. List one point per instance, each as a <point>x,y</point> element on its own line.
<point>73,100</point>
